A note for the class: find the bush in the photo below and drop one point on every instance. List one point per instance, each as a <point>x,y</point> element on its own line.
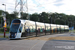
<point>8,28</point>
<point>2,29</point>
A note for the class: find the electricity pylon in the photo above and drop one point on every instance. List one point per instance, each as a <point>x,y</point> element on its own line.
<point>21,6</point>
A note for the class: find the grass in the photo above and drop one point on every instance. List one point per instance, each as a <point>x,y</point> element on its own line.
<point>72,31</point>
<point>3,32</point>
<point>3,36</point>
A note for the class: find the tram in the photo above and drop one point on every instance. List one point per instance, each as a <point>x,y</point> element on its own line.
<point>23,28</point>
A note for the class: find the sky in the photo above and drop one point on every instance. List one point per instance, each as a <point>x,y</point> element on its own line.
<point>38,6</point>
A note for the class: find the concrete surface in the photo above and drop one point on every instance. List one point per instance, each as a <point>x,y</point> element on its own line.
<point>36,44</point>
<point>3,34</point>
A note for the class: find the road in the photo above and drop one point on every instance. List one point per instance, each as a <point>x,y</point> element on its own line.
<point>39,44</point>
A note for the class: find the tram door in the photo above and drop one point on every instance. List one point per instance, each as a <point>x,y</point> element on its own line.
<point>24,34</point>
<point>19,31</point>
<point>27,30</point>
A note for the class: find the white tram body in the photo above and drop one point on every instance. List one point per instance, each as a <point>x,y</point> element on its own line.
<point>19,28</point>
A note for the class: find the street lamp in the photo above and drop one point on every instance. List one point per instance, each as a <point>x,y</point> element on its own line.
<point>5,6</point>
<point>4,19</point>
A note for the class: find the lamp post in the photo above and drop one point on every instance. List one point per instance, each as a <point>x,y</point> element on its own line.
<point>4,19</point>
<point>5,6</point>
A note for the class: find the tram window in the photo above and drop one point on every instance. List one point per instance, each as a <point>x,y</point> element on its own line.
<point>20,29</point>
<point>41,30</point>
<point>27,28</point>
<point>46,28</point>
<point>23,30</point>
<point>30,28</point>
<point>33,28</point>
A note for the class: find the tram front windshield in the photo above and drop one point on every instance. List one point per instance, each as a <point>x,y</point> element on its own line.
<point>14,28</point>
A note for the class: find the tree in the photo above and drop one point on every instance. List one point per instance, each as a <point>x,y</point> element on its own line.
<point>34,17</point>
<point>15,13</point>
<point>24,15</point>
<point>44,17</point>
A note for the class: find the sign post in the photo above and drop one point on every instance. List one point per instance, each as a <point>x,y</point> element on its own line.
<point>4,31</point>
<point>4,27</point>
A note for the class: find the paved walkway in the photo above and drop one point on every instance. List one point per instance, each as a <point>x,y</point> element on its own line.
<point>65,36</point>
<point>3,39</point>
<point>3,34</point>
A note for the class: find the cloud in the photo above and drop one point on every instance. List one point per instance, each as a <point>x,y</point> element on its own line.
<point>9,5</point>
<point>60,6</point>
<point>58,1</point>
